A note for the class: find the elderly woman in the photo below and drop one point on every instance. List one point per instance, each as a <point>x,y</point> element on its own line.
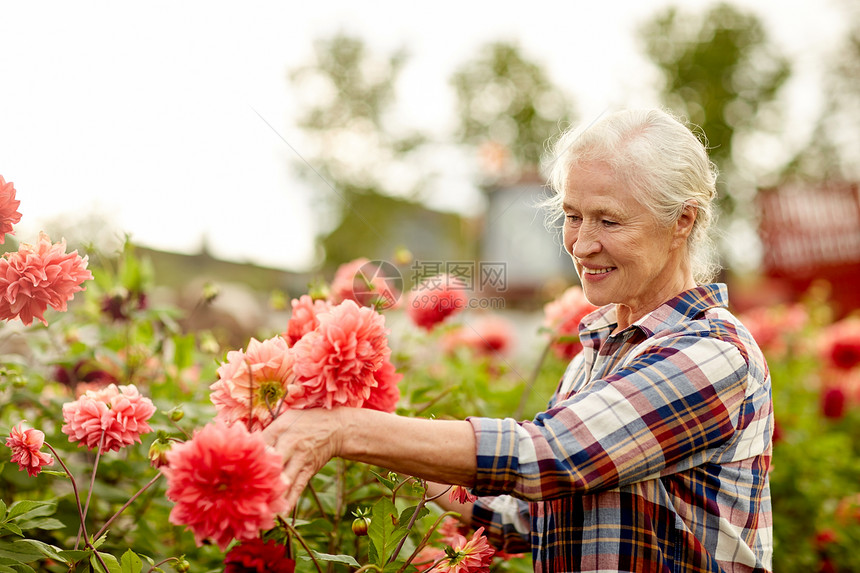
<point>653,454</point>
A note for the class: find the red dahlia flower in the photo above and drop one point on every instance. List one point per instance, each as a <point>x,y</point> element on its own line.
<point>361,281</point>
<point>460,494</point>
<point>562,317</point>
<point>119,412</point>
<point>840,344</point>
<point>26,449</point>
<point>257,556</point>
<point>9,214</point>
<point>489,335</point>
<point>226,484</point>
<point>38,276</point>
<point>435,299</point>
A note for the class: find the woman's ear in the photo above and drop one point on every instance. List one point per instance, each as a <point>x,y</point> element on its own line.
<point>685,222</point>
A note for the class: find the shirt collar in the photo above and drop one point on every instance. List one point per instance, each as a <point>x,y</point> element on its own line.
<point>686,305</point>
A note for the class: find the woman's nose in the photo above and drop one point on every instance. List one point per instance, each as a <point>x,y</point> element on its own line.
<point>585,242</point>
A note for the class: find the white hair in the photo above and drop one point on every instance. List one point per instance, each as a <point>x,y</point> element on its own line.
<point>656,156</point>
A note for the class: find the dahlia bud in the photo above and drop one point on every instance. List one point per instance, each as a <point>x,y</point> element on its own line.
<point>361,522</point>
<point>158,452</point>
<point>176,413</point>
<point>360,525</point>
<point>210,292</point>
<point>182,565</point>
<point>319,291</point>
<point>402,256</point>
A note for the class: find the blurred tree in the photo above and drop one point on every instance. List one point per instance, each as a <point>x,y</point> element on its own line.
<point>721,72</point>
<point>833,151</point>
<point>366,165</point>
<point>508,108</point>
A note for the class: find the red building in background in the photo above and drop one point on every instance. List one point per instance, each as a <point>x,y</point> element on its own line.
<point>812,234</point>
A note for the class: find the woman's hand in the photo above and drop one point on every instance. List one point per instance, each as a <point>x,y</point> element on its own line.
<point>307,440</point>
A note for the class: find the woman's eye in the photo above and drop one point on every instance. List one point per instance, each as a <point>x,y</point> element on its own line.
<point>608,223</point>
<point>573,218</point>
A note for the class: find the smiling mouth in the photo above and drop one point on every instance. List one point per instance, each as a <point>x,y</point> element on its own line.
<point>597,271</point>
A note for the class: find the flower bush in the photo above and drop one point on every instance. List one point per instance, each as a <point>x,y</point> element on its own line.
<point>133,445</point>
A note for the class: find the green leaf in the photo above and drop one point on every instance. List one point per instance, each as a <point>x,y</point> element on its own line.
<point>390,484</point>
<point>13,528</point>
<point>393,567</point>
<point>384,535</point>
<point>47,550</point>
<point>347,559</point>
<point>11,565</point>
<point>31,509</point>
<point>74,555</point>
<point>130,562</point>
<point>43,523</point>
<point>55,473</point>
<point>406,515</point>
<point>2,510</point>
<point>111,562</point>
<point>316,526</point>
<point>21,552</point>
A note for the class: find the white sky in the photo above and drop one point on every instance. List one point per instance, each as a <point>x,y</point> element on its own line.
<point>146,112</point>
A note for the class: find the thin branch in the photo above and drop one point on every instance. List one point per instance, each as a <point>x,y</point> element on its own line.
<point>304,544</point>
<point>530,383</point>
<point>87,542</point>
<point>426,538</point>
<point>128,503</point>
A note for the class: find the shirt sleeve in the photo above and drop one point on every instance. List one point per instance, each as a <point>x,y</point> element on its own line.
<point>506,522</point>
<point>675,401</point>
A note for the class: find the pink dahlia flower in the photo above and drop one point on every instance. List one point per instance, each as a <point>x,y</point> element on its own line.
<point>775,329</point>
<point>26,449</point>
<point>338,361</point>
<point>38,276</point>
<point>120,413</point>
<point>435,299</point>
<point>258,556</point>
<point>472,556</point>
<point>385,395</point>
<point>562,317</point>
<point>362,281</point>
<point>489,335</point>
<point>460,494</point>
<point>253,386</point>
<point>226,484</point>
<point>9,214</point>
<point>304,317</point>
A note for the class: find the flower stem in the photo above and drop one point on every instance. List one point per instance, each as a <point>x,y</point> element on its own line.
<point>530,383</point>
<point>304,544</point>
<point>426,538</point>
<point>160,563</point>
<point>129,502</point>
<point>93,479</point>
<point>87,542</point>
<point>418,509</point>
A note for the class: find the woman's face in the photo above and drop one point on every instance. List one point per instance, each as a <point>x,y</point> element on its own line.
<point>621,253</point>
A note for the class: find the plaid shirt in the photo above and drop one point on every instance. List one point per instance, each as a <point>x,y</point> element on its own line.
<point>653,454</point>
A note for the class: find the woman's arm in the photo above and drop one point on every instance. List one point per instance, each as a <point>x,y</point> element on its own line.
<point>436,450</point>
